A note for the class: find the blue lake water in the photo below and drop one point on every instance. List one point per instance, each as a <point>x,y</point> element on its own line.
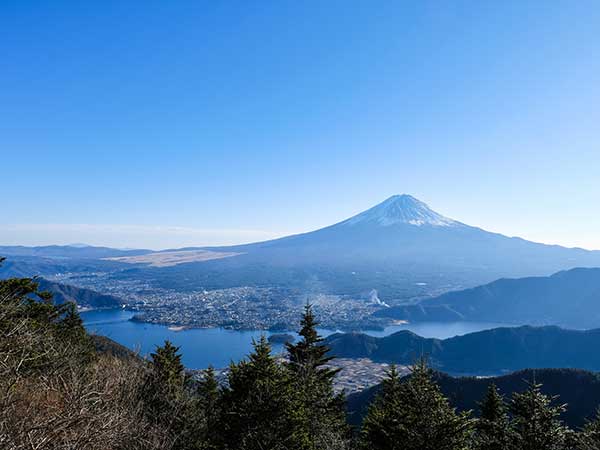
<point>217,346</point>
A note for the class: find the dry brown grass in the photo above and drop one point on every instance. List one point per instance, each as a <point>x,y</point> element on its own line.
<point>166,259</point>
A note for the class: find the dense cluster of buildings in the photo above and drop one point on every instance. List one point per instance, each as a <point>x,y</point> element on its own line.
<point>246,307</point>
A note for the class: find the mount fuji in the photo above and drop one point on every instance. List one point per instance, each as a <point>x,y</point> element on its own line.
<point>400,247</point>
<point>404,230</point>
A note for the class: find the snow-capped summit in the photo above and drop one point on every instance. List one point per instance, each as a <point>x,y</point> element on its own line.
<point>402,209</point>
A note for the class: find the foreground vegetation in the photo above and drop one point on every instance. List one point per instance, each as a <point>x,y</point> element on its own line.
<point>58,392</point>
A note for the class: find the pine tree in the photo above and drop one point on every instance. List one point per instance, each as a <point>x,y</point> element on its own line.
<point>258,407</point>
<point>309,356</point>
<point>168,368</point>
<point>208,411</point>
<point>380,421</point>
<point>413,414</point>
<point>208,390</point>
<point>167,400</point>
<point>589,438</point>
<point>52,334</point>
<point>320,410</point>
<point>537,421</point>
<point>71,326</point>
<point>493,425</point>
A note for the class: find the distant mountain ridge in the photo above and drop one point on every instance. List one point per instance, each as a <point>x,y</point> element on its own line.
<point>484,353</point>
<point>69,251</point>
<point>567,298</point>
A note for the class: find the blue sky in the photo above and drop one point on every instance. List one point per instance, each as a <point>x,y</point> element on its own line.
<point>164,124</point>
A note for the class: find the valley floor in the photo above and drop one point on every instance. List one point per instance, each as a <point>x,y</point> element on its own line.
<point>355,375</point>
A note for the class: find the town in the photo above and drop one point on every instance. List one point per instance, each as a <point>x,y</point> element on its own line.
<point>239,308</point>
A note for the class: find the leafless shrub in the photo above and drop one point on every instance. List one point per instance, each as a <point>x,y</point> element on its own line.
<point>96,407</point>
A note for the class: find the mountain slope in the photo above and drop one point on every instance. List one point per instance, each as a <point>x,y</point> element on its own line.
<point>400,247</point>
<point>485,352</point>
<point>568,298</point>
<point>63,293</point>
<point>404,229</point>
<point>105,345</point>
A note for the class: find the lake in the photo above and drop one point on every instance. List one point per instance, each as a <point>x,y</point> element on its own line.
<point>217,346</point>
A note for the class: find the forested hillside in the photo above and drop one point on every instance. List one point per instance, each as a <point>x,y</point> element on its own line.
<point>568,298</point>
<point>64,293</point>
<point>494,351</point>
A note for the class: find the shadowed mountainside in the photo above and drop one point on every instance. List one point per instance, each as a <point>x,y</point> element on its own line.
<point>568,298</point>
<point>63,293</point>
<point>486,352</point>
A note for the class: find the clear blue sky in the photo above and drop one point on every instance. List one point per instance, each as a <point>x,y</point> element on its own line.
<point>162,124</point>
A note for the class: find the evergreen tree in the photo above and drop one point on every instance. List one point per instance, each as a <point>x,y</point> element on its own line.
<point>537,421</point>
<point>52,335</point>
<point>309,356</point>
<point>208,391</point>
<point>589,438</point>
<point>71,324</point>
<point>493,425</point>
<point>413,414</point>
<point>167,400</point>
<point>208,411</point>
<point>258,406</point>
<point>321,411</point>
<point>380,421</point>
<point>167,367</point>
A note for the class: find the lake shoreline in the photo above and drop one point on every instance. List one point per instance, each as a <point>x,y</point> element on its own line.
<point>201,347</point>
